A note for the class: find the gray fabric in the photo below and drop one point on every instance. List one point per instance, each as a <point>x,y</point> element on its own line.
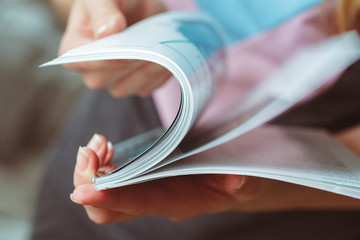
<point>59,218</point>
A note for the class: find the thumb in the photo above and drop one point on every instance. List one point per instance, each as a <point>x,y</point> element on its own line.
<point>87,164</point>
<point>105,17</point>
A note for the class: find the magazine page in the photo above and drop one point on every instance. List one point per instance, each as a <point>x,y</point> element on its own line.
<point>189,44</point>
<point>308,157</point>
<point>309,70</point>
<point>303,74</point>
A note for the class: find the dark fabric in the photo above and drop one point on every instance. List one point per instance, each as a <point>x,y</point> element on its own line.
<point>335,109</point>
<point>58,218</point>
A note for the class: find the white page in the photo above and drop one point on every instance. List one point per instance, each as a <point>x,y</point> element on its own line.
<point>161,40</point>
<point>188,44</point>
<point>308,157</point>
<point>303,74</point>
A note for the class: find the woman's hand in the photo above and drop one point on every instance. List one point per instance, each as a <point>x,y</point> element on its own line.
<point>93,19</point>
<point>181,198</point>
<point>177,198</point>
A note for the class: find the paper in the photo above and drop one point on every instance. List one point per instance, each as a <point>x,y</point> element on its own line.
<point>218,137</point>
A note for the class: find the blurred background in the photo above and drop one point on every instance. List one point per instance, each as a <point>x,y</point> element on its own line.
<point>34,104</point>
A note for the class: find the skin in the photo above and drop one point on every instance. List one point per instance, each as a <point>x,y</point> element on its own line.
<point>181,198</point>
<point>92,19</point>
<point>177,198</point>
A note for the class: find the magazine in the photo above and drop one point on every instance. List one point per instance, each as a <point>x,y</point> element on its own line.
<point>233,138</point>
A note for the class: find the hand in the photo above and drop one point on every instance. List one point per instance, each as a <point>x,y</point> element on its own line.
<point>93,19</point>
<point>177,198</point>
<point>181,198</point>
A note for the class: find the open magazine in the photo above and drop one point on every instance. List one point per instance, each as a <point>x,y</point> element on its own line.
<point>204,139</point>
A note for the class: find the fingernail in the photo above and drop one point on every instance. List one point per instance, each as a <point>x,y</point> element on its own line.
<point>105,27</point>
<point>241,184</point>
<point>105,170</point>
<point>95,142</point>
<point>74,200</point>
<point>82,160</point>
<point>109,146</point>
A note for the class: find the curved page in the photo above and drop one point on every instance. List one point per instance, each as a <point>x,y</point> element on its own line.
<point>189,45</point>
<point>308,157</point>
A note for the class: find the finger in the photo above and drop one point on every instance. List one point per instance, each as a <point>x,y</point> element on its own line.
<point>100,74</point>
<point>87,163</point>
<point>133,82</point>
<point>105,166</point>
<point>122,86</point>
<point>243,188</point>
<point>98,144</point>
<point>177,198</point>
<point>89,20</point>
<point>105,17</point>
<point>233,183</point>
<point>110,67</point>
<point>151,86</point>
<point>103,170</point>
<point>78,30</point>
<point>103,216</point>
<point>108,199</point>
<point>109,154</point>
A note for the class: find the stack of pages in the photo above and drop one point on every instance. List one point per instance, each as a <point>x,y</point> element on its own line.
<point>233,139</point>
